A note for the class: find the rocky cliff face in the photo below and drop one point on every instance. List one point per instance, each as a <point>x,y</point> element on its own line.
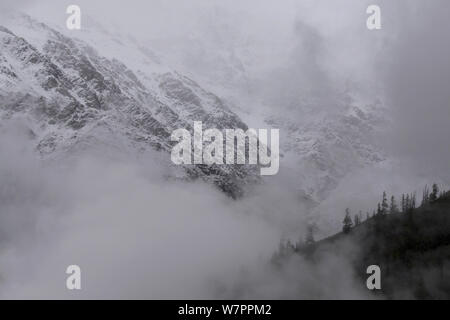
<point>109,90</point>
<point>329,123</point>
<point>323,150</point>
<point>72,98</point>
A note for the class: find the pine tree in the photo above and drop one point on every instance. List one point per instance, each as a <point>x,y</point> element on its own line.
<point>425,196</point>
<point>384,204</point>
<point>403,203</point>
<point>393,208</point>
<point>378,209</point>
<point>348,224</point>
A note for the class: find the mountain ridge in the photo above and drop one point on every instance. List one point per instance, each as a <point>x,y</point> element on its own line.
<point>73,94</point>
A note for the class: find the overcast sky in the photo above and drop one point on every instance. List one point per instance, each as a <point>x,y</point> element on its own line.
<point>319,44</point>
<point>417,81</point>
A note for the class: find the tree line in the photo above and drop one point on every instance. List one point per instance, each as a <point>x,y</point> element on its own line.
<point>407,204</point>
<point>385,207</point>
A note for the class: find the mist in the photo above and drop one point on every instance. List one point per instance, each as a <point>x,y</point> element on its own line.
<point>121,225</point>
<point>117,219</point>
<point>416,79</point>
<point>136,234</point>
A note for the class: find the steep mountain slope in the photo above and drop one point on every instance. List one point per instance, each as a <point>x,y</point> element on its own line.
<point>411,248</point>
<point>73,99</point>
<point>109,89</point>
<point>329,121</point>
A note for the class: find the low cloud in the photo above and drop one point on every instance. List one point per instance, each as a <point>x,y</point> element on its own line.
<point>136,235</point>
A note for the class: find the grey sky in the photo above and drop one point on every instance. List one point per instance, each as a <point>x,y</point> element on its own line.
<point>315,46</point>
<point>417,80</point>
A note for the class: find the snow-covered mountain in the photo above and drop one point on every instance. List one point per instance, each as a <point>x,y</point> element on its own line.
<point>328,128</point>
<point>110,90</point>
<point>73,98</point>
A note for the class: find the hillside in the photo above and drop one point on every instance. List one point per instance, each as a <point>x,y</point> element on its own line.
<point>412,249</point>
